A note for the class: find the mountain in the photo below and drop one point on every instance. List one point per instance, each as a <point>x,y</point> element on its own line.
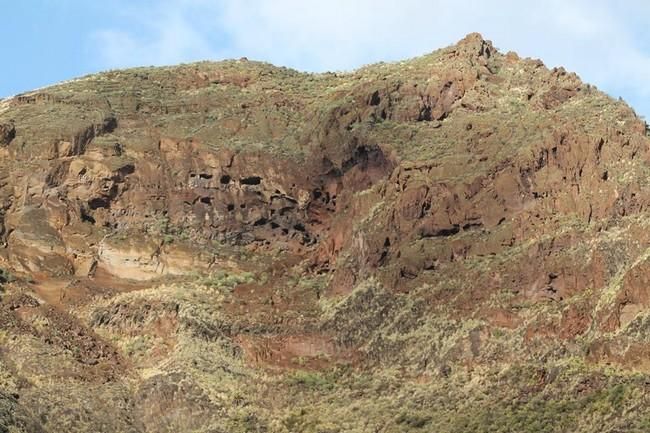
<point>457,242</point>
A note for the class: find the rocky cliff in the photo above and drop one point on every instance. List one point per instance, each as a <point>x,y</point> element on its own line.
<point>456,242</point>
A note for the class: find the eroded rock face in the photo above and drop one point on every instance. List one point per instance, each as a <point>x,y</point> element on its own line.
<point>471,154</point>
<point>479,175</point>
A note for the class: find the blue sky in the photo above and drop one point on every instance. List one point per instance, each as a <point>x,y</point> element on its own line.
<point>46,41</point>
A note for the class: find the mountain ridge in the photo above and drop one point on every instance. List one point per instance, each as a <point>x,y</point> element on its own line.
<point>457,242</point>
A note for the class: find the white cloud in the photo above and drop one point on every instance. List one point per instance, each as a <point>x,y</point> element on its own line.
<point>157,35</point>
<point>599,39</point>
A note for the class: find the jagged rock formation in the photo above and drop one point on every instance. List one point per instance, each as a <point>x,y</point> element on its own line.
<point>186,239</point>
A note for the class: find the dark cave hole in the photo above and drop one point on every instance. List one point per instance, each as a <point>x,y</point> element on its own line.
<point>374,98</point>
<point>260,222</point>
<point>87,218</point>
<point>251,180</point>
<point>98,202</point>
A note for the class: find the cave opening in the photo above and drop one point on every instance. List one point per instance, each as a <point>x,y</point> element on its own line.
<point>251,180</point>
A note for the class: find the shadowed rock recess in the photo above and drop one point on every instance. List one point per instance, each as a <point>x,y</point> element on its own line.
<point>458,242</point>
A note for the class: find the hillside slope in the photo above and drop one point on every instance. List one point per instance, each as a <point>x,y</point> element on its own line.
<point>457,242</point>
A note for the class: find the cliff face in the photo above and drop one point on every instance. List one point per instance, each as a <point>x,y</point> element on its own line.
<point>192,247</point>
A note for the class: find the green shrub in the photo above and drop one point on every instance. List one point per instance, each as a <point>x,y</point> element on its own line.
<point>413,420</point>
<point>310,380</point>
<point>6,276</point>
